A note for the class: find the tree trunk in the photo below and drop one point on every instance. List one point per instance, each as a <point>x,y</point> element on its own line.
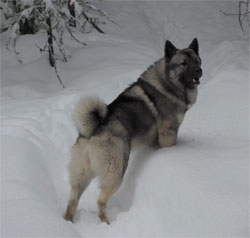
<point>50,43</point>
<point>71,6</point>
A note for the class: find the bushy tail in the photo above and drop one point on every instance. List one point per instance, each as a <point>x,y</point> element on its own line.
<point>89,111</point>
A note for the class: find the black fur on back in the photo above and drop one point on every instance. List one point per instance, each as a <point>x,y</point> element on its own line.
<point>129,111</point>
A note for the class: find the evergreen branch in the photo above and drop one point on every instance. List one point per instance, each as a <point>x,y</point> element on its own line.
<point>4,28</point>
<point>57,75</point>
<point>60,49</point>
<point>47,51</point>
<point>103,13</point>
<point>16,52</point>
<point>92,23</point>
<point>72,35</point>
<point>83,28</point>
<point>42,49</point>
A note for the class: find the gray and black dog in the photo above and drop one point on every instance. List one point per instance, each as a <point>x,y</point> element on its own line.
<point>150,110</point>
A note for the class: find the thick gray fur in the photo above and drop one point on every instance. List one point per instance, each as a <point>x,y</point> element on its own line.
<point>151,110</point>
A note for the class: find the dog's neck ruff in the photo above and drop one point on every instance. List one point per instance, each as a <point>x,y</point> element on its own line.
<point>191,96</point>
<point>155,76</point>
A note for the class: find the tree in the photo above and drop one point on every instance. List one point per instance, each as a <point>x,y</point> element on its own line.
<point>243,13</point>
<point>56,17</point>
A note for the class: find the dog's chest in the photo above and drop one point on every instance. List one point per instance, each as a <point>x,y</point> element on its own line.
<point>172,120</point>
<point>179,117</point>
<point>191,95</point>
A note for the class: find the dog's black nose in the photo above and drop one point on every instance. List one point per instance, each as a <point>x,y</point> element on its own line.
<point>199,72</point>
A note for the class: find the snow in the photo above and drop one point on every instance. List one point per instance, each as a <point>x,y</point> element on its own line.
<point>200,187</point>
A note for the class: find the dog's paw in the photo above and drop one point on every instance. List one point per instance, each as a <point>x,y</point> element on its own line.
<point>68,217</point>
<point>104,219</point>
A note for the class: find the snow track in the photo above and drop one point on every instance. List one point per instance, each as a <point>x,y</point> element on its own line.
<point>200,187</point>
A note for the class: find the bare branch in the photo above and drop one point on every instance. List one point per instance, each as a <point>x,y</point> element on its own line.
<point>241,15</point>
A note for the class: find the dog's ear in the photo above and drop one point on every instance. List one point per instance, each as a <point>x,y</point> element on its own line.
<point>194,46</point>
<point>170,49</point>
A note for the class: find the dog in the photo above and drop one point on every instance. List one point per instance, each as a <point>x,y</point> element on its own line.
<point>151,110</point>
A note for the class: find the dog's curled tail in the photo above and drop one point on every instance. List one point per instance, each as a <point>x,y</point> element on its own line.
<point>88,113</point>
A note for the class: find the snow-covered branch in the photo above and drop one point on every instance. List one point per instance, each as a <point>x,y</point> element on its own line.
<point>56,17</point>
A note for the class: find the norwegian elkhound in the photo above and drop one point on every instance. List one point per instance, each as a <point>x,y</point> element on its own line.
<point>153,108</point>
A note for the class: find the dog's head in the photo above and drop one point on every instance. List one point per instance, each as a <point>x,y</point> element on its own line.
<point>183,66</point>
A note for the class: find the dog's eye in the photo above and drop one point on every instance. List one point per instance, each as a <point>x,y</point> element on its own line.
<point>184,63</point>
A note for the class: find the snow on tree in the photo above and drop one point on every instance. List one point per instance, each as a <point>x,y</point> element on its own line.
<point>56,17</point>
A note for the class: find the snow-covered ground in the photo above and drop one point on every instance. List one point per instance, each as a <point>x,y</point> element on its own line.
<point>200,187</point>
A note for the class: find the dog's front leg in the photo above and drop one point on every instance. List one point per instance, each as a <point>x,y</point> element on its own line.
<point>166,136</point>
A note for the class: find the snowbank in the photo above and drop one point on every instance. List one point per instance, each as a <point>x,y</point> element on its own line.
<point>199,187</point>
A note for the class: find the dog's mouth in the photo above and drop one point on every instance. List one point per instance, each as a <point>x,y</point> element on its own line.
<point>193,83</point>
<point>196,81</point>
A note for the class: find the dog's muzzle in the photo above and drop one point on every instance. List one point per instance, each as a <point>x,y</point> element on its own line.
<point>196,79</point>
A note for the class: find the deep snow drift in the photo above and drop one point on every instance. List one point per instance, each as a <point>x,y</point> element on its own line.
<point>197,188</point>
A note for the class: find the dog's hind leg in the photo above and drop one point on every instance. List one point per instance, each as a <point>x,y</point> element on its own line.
<point>109,159</point>
<point>106,194</point>
<point>75,194</point>
<point>80,177</point>
<point>110,174</point>
<point>72,204</point>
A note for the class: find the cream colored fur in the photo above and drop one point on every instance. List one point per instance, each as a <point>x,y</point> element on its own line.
<point>152,76</point>
<point>166,135</point>
<point>84,118</point>
<point>101,156</point>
